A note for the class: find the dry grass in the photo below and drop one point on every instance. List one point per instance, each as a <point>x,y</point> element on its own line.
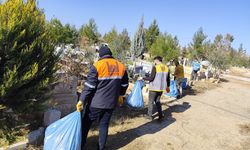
<point>200,87</point>
<point>11,135</point>
<point>125,120</point>
<point>203,86</point>
<point>242,72</point>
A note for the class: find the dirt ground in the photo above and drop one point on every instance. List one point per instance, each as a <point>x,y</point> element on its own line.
<point>216,119</point>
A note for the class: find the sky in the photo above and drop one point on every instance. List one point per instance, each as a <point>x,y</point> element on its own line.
<point>177,17</point>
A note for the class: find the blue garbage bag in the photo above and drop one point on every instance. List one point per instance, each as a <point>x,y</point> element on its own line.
<point>135,99</point>
<point>184,83</point>
<point>64,134</point>
<point>173,89</point>
<point>196,65</point>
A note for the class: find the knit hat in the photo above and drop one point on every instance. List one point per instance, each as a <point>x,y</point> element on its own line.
<point>104,50</point>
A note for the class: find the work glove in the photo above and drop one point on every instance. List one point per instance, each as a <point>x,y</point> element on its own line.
<point>120,101</point>
<point>167,90</point>
<point>79,106</point>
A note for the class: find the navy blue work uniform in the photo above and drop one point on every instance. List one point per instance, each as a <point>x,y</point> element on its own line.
<point>106,81</point>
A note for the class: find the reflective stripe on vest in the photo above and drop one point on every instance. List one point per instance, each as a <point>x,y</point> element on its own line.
<point>160,81</point>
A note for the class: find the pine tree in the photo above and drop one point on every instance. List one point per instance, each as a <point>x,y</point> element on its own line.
<point>138,44</point>
<point>121,45</point>
<point>228,39</point>
<point>27,58</point>
<point>64,34</point>
<point>118,43</point>
<point>90,31</point>
<point>151,34</point>
<point>126,42</point>
<point>241,50</point>
<point>197,46</point>
<point>218,41</point>
<point>110,37</point>
<point>167,46</point>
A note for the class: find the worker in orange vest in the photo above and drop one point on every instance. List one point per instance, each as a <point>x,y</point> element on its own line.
<point>106,81</point>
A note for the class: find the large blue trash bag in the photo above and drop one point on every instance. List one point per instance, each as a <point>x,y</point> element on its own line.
<point>184,83</point>
<point>135,99</point>
<point>196,65</point>
<point>64,134</point>
<point>173,89</point>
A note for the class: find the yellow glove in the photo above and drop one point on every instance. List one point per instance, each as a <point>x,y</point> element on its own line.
<point>120,100</point>
<point>79,106</point>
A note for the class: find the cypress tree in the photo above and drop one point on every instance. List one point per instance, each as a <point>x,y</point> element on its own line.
<point>138,44</point>
<point>27,57</point>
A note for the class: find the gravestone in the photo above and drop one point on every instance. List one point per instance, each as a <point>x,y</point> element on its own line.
<point>50,116</point>
<point>64,96</point>
<point>36,137</point>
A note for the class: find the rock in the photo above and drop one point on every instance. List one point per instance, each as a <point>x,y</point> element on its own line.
<point>51,116</point>
<point>36,137</point>
<point>66,108</point>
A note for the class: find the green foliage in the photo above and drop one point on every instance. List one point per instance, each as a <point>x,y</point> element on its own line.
<point>110,37</point>
<point>241,50</point>
<point>228,39</point>
<point>63,34</point>
<point>138,44</point>
<point>217,54</point>
<point>118,43</point>
<point>166,46</point>
<point>151,34</point>
<point>90,31</point>
<point>218,40</point>
<point>217,58</point>
<point>125,40</point>
<point>121,46</point>
<point>196,48</point>
<point>239,57</point>
<point>222,55</point>
<point>184,52</point>
<point>27,58</point>
<point>11,130</point>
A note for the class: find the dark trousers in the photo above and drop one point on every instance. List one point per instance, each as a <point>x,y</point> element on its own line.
<point>103,117</point>
<point>154,97</point>
<point>194,75</point>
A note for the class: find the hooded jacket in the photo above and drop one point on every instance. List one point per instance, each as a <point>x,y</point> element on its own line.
<point>106,81</point>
